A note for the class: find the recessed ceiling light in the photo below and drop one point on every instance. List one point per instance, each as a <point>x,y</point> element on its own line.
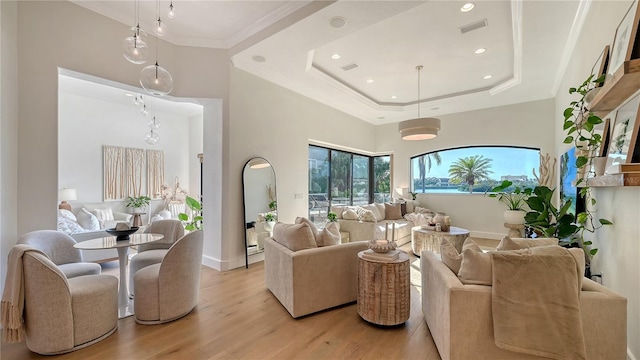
<point>258,58</point>
<point>467,7</point>
<point>337,22</point>
<point>480,50</point>
<point>369,81</point>
<point>486,77</point>
<point>335,56</point>
<point>394,97</point>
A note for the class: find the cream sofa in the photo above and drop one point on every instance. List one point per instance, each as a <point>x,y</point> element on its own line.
<point>367,230</point>
<point>460,317</point>
<point>311,280</point>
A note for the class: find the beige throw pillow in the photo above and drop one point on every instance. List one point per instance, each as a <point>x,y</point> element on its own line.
<point>508,243</point>
<point>392,211</point>
<point>368,216</point>
<point>314,228</point>
<point>450,256</point>
<point>294,236</point>
<point>381,209</point>
<point>475,267</point>
<point>349,214</point>
<point>374,209</point>
<point>330,235</point>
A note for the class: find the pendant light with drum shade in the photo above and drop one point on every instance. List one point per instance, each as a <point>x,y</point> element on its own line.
<point>155,79</point>
<point>134,49</point>
<point>419,128</point>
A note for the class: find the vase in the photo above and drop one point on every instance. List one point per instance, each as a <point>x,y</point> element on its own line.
<point>599,165</point>
<point>268,226</point>
<point>515,217</point>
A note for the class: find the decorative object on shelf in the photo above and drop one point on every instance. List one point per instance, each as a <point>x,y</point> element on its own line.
<point>419,128</point>
<point>547,170</point>
<point>623,147</point>
<point>624,42</point>
<point>135,50</point>
<point>122,234</point>
<point>64,195</point>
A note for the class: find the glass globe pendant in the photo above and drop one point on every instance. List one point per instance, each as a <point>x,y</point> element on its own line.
<point>134,49</point>
<point>172,12</point>
<point>154,124</point>
<point>152,137</point>
<point>156,80</point>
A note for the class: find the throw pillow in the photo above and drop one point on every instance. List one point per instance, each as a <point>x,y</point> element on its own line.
<point>421,210</point>
<point>470,244</point>
<point>381,209</point>
<point>508,243</point>
<point>87,220</point>
<point>68,226</point>
<point>450,256</point>
<point>338,209</point>
<point>475,267</point>
<point>294,236</point>
<point>368,216</point>
<point>373,208</point>
<point>350,214</point>
<point>314,228</point>
<point>330,235</point>
<point>392,211</point>
<point>103,215</point>
<point>67,214</point>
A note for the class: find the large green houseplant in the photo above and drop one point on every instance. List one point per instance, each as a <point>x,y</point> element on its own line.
<point>513,197</point>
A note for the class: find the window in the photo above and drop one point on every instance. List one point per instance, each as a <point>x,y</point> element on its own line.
<point>340,177</point>
<point>473,169</point>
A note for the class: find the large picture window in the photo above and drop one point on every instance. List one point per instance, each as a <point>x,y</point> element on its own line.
<point>340,177</point>
<point>473,169</point>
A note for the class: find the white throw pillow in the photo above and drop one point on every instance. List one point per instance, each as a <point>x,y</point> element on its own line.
<point>87,220</point>
<point>368,216</point>
<point>67,214</point>
<point>350,214</point>
<point>381,210</point>
<point>103,215</point>
<point>373,208</point>
<point>69,226</point>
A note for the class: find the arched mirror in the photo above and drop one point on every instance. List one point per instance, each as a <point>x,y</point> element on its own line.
<point>260,204</point>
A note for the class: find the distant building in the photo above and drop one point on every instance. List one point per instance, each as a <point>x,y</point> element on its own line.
<point>514,177</point>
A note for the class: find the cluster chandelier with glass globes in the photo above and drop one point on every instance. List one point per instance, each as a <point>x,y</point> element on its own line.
<point>154,78</point>
<point>419,128</point>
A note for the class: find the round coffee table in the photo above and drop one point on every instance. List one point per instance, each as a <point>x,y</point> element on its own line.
<point>426,239</point>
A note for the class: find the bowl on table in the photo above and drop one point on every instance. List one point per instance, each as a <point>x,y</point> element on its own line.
<point>122,234</point>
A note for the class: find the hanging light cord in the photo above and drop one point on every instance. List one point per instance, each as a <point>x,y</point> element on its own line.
<point>419,67</point>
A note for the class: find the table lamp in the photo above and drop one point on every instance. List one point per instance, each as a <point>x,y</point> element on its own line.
<point>64,195</point>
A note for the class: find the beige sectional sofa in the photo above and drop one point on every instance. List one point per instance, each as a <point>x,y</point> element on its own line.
<point>367,230</point>
<point>460,317</point>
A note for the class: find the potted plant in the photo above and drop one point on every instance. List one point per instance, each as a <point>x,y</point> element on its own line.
<point>270,220</point>
<point>138,203</point>
<point>332,217</point>
<point>413,195</point>
<point>515,199</point>
<point>273,205</point>
<point>195,223</point>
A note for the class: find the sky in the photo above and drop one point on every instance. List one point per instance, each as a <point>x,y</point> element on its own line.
<point>506,161</point>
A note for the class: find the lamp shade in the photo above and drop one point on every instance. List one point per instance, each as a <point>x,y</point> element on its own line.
<point>419,129</point>
<point>67,194</point>
<point>401,192</point>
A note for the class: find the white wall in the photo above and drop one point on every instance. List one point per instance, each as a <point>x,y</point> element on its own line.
<point>527,124</point>
<point>86,124</point>
<point>618,245</point>
<point>276,124</point>
<point>8,132</point>
<point>195,147</point>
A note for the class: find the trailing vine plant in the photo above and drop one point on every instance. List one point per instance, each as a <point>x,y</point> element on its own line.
<point>580,123</point>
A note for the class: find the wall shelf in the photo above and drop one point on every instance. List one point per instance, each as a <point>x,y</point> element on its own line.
<point>624,83</point>
<point>623,179</point>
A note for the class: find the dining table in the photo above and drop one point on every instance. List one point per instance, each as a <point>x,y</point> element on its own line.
<point>125,305</point>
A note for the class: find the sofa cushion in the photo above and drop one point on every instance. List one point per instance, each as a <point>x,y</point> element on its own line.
<point>349,214</point>
<point>475,267</point>
<point>381,209</point>
<point>450,256</point>
<point>104,215</point>
<point>330,235</point>
<point>294,236</point>
<point>87,220</point>
<point>392,211</point>
<point>368,215</point>
<point>508,243</point>
<point>374,209</point>
<point>314,228</point>
<point>67,214</point>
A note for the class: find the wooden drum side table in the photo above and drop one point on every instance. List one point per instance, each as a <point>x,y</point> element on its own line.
<point>384,294</point>
<point>425,239</point>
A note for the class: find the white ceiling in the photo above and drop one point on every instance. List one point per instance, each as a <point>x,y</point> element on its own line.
<point>291,42</point>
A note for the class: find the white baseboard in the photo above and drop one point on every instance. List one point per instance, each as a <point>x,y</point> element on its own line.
<point>230,264</point>
<point>630,355</point>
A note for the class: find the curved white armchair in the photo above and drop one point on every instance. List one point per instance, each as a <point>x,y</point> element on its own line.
<point>169,290</point>
<point>59,248</point>
<point>63,315</point>
<point>152,253</point>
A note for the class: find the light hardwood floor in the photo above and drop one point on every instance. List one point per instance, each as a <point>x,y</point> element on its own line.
<point>238,318</point>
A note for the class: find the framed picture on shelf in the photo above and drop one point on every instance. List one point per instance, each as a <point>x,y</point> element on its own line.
<point>600,67</point>
<point>604,145</point>
<point>624,134</point>
<point>624,42</point>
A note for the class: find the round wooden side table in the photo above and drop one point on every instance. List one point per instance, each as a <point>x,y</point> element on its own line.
<point>425,239</point>
<point>384,294</point>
